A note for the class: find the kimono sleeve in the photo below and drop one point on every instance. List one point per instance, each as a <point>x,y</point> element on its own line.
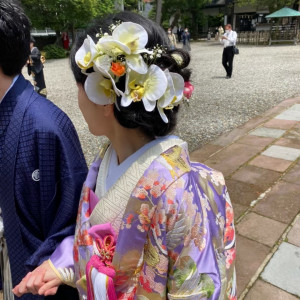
<point>62,171</point>
<point>195,236</point>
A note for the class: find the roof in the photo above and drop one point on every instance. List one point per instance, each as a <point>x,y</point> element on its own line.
<point>284,12</point>
<point>216,3</point>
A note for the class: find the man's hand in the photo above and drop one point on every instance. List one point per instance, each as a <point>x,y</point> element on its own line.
<point>42,280</point>
<point>224,38</point>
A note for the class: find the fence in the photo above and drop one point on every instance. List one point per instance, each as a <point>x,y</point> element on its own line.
<point>267,37</point>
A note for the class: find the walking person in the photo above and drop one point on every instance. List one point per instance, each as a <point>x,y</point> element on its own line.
<point>186,36</point>
<point>229,41</point>
<point>41,164</point>
<point>151,224</point>
<point>35,68</point>
<point>172,39</point>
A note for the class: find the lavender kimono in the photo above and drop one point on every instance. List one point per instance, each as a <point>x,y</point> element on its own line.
<point>172,220</point>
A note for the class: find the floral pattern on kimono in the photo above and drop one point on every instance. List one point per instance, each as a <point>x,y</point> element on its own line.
<point>177,237</point>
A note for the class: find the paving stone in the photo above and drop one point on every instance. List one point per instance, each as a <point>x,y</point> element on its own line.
<point>262,290</point>
<point>261,229</point>
<point>290,142</point>
<point>204,152</point>
<point>270,163</point>
<point>295,107</point>
<point>250,255</point>
<point>289,101</point>
<point>225,162</point>
<point>280,124</point>
<point>283,270</point>
<point>238,209</point>
<point>255,140</point>
<point>281,203</point>
<point>293,175</point>
<point>294,234</point>
<point>259,177</point>
<point>282,152</point>
<point>289,114</point>
<point>294,133</point>
<point>274,111</point>
<point>267,132</point>
<point>254,123</point>
<point>230,137</point>
<point>243,193</point>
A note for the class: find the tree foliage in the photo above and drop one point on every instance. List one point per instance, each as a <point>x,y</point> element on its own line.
<point>188,11</point>
<point>65,14</point>
<point>272,5</point>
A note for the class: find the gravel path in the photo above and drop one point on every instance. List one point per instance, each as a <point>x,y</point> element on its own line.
<point>262,77</point>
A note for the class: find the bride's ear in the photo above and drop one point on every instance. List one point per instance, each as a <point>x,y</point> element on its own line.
<point>108,110</point>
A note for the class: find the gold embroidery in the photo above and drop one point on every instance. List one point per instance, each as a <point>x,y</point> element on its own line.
<point>151,254</point>
<point>174,159</point>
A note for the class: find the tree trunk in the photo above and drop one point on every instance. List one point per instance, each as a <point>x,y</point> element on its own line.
<point>58,38</point>
<point>158,11</point>
<point>176,18</point>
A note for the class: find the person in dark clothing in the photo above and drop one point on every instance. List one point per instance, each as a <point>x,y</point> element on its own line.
<point>42,166</point>
<point>35,68</point>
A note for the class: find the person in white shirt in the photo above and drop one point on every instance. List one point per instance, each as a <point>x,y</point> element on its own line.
<point>229,41</point>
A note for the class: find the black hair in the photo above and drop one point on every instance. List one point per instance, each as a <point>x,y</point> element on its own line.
<point>14,37</point>
<point>135,115</point>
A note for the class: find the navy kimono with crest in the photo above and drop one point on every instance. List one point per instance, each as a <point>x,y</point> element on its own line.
<point>42,169</point>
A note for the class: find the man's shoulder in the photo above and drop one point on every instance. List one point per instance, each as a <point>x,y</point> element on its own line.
<point>47,116</point>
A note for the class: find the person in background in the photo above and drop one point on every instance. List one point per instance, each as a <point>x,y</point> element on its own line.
<point>186,36</point>
<point>172,39</point>
<point>179,33</point>
<point>65,40</point>
<point>42,166</point>
<point>35,68</point>
<point>151,224</point>
<point>229,41</point>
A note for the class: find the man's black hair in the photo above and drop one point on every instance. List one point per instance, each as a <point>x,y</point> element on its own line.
<point>14,37</point>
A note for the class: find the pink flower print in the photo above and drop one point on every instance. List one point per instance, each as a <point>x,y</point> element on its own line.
<point>191,207</point>
<point>229,214</point>
<point>145,217</point>
<point>217,178</point>
<point>156,190</point>
<point>140,193</point>
<point>229,235</point>
<point>230,257</point>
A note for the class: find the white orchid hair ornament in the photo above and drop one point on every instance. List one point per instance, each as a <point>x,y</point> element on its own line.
<point>123,53</point>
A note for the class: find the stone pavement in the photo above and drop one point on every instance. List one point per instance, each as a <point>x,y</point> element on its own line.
<point>261,164</point>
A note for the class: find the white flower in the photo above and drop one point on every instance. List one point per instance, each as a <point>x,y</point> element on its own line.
<point>86,54</point>
<point>102,64</point>
<point>99,89</point>
<point>127,39</point>
<point>173,94</point>
<point>147,87</point>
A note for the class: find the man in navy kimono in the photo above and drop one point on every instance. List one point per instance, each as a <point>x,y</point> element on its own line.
<point>42,166</point>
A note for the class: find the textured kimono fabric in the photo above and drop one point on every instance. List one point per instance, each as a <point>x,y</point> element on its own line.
<point>46,174</point>
<point>176,238</point>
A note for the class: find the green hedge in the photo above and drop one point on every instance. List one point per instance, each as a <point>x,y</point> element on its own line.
<point>54,51</point>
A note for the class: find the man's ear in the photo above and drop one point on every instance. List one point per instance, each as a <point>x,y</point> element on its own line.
<point>108,110</point>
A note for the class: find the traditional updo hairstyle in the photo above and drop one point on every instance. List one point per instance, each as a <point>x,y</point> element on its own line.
<point>135,115</point>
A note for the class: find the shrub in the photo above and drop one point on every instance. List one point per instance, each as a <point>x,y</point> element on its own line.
<point>54,51</point>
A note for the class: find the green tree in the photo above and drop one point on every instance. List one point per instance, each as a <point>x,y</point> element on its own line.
<point>189,11</point>
<point>273,5</point>
<point>62,15</point>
